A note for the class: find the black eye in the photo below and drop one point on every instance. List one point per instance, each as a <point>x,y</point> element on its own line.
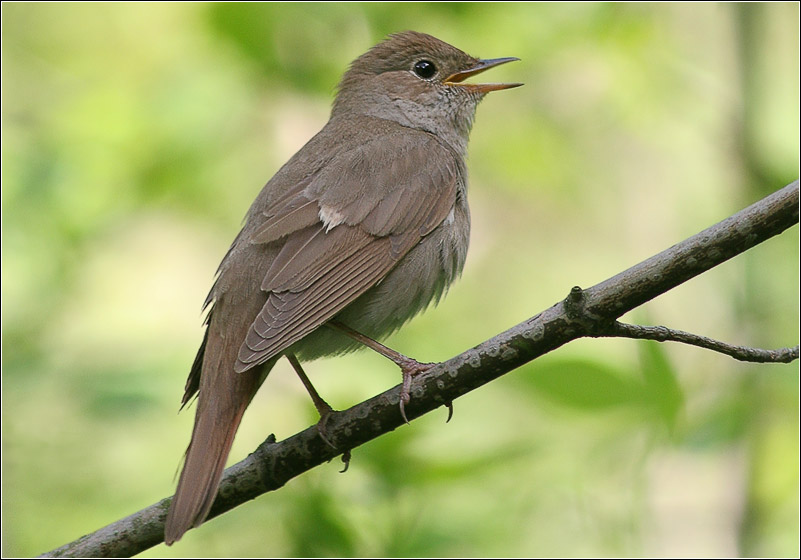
<point>425,69</point>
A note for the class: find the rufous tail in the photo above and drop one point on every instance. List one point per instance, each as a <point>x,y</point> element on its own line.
<point>221,404</point>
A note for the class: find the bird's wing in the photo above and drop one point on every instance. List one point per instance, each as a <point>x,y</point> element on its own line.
<point>343,231</point>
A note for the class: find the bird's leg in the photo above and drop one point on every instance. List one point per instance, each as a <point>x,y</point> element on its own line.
<point>323,408</point>
<point>409,367</point>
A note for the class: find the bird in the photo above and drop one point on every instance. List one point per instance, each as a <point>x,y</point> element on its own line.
<point>364,227</point>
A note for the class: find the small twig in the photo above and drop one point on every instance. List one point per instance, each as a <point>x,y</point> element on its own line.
<point>664,334</point>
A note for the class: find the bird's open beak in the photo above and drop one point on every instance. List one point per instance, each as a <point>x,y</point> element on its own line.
<point>457,78</point>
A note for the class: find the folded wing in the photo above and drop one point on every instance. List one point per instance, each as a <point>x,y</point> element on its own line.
<point>342,231</point>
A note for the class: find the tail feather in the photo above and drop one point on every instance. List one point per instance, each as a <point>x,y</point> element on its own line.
<point>208,451</point>
<point>223,396</point>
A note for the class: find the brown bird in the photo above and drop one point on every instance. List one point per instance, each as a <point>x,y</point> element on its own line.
<point>359,231</point>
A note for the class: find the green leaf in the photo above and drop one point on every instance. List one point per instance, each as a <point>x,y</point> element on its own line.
<point>586,385</point>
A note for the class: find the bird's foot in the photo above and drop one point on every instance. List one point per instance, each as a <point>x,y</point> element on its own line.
<point>325,411</point>
<point>409,368</point>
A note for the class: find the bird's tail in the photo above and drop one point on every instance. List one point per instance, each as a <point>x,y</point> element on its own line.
<point>223,397</point>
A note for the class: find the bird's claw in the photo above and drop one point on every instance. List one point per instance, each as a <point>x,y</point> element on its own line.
<point>449,404</point>
<point>322,431</point>
<point>346,460</point>
<point>409,368</point>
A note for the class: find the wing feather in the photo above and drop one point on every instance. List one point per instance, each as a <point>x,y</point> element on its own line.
<point>384,204</point>
<point>315,253</point>
<point>298,214</point>
<point>289,316</point>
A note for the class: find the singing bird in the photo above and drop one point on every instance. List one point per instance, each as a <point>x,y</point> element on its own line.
<point>359,231</point>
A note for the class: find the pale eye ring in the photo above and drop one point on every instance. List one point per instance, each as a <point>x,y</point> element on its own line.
<point>425,69</point>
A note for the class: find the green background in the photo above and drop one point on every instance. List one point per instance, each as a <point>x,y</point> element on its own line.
<point>135,137</point>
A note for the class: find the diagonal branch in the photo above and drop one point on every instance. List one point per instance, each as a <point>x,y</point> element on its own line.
<point>582,313</point>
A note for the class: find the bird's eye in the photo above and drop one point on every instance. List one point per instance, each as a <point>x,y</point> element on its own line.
<point>425,69</point>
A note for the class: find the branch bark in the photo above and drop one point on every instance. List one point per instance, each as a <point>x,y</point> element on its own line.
<point>590,312</point>
<point>664,334</point>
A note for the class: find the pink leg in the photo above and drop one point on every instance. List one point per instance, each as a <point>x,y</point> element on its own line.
<point>323,408</point>
<point>409,367</point>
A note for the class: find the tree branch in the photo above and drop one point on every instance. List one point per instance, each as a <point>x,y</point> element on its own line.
<point>591,312</point>
<point>663,334</point>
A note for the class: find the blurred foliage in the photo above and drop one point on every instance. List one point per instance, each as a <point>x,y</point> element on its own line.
<point>135,136</point>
